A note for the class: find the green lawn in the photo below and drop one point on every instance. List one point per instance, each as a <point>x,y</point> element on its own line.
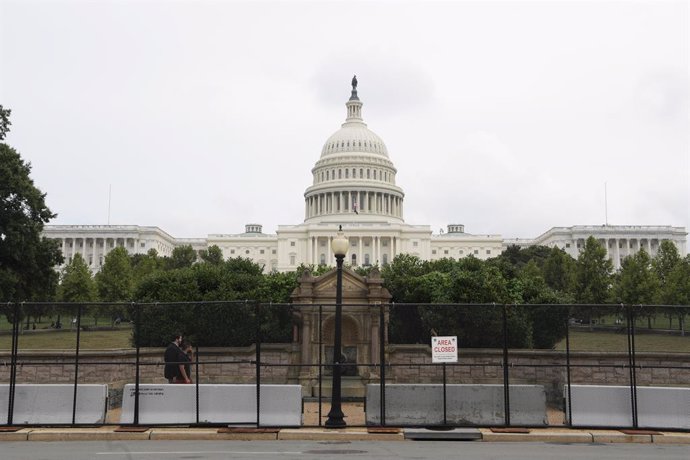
<point>611,341</point>
<point>67,340</point>
<point>120,338</point>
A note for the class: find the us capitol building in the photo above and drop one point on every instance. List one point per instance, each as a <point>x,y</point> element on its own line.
<point>354,186</point>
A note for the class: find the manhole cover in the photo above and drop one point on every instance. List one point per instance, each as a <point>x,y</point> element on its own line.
<point>335,452</point>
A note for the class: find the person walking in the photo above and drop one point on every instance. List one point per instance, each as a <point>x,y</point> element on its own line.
<point>175,359</point>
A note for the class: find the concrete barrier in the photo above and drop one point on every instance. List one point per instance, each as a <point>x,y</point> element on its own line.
<point>611,406</point>
<point>45,404</point>
<point>281,405</point>
<point>422,404</point>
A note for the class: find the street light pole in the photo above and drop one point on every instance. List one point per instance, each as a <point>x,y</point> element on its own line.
<point>336,418</point>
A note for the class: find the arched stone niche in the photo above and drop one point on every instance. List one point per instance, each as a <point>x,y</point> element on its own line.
<point>314,310</point>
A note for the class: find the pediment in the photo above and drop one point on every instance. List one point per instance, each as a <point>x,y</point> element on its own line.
<point>352,283</point>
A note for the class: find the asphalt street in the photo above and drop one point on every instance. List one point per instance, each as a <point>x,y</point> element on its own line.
<point>304,450</point>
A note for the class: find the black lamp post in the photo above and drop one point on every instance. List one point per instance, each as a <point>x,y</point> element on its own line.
<point>339,245</point>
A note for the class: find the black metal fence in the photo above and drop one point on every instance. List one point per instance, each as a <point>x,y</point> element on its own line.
<point>631,346</point>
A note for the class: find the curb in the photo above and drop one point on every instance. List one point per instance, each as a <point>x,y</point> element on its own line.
<point>323,434</point>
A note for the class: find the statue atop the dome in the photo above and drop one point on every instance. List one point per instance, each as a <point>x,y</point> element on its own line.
<point>354,83</point>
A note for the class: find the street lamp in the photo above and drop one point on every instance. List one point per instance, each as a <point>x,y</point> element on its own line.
<point>339,245</point>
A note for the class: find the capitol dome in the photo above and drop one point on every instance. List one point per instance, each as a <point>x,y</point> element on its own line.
<point>354,179</point>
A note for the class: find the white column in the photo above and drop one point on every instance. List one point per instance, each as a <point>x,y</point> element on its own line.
<point>616,255</point>
<point>378,249</point>
<point>94,255</point>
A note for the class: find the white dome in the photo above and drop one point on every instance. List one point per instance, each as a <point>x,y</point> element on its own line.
<point>354,137</point>
<point>354,180</point>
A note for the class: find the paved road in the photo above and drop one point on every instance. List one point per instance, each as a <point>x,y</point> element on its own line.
<point>304,450</point>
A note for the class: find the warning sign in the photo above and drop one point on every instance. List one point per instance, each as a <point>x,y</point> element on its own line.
<point>444,349</point>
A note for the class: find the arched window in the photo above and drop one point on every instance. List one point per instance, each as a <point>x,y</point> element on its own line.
<point>340,174</point>
<point>347,173</point>
<point>385,259</point>
<point>323,259</point>
<point>354,260</point>
<point>374,174</point>
<point>366,260</point>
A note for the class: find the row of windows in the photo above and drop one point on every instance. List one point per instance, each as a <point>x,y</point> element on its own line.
<point>461,252</point>
<point>247,251</point>
<point>367,145</point>
<point>345,173</point>
<point>353,260</point>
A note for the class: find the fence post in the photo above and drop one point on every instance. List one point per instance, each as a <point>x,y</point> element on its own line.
<point>257,314</point>
<point>13,362</point>
<point>382,359</point>
<point>632,364</point>
<point>137,378</point>
<point>567,368</point>
<point>76,365</point>
<point>506,382</point>
<point>320,360</point>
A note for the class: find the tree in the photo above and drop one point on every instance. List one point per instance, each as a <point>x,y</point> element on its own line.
<point>593,277</point>
<point>666,259</point>
<point>559,271</point>
<point>26,258</point>
<point>182,257</point>
<point>676,291</point>
<point>213,255</point>
<point>144,264</point>
<point>637,284</point>
<point>115,282</point>
<point>4,122</point>
<point>77,285</point>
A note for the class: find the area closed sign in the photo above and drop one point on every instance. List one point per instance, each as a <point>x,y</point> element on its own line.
<point>444,349</point>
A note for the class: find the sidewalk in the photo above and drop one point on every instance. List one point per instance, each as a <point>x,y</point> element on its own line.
<point>354,415</point>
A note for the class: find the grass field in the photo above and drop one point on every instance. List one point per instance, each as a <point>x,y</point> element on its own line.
<point>120,338</point>
<point>67,340</point>
<point>611,341</point>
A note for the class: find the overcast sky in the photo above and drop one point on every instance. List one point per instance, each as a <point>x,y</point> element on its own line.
<point>203,116</point>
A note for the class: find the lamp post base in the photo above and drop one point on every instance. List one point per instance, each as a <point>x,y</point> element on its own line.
<point>336,419</point>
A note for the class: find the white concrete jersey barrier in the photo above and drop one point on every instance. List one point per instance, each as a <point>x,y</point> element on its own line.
<point>45,404</point>
<point>281,405</point>
<point>466,404</point>
<point>657,407</point>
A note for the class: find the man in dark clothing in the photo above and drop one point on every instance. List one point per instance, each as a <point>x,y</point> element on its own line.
<point>175,358</point>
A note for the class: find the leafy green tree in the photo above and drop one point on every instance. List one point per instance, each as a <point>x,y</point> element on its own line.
<point>77,285</point>
<point>4,122</point>
<point>213,255</point>
<point>26,258</point>
<point>145,264</point>
<point>676,291</point>
<point>400,278</point>
<point>593,279</point>
<point>665,261</point>
<point>637,284</point>
<point>182,257</point>
<point>115,283</point>
<point>559,271</point>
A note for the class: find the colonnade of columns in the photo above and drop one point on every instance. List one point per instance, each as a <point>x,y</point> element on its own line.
<point>618,249</point>
<point>367,250</point>
<point>348,201</point>
<point>94,249</point>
